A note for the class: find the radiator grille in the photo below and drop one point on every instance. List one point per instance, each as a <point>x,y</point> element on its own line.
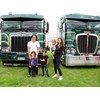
<point>86,44</point>
<point>19,44</point>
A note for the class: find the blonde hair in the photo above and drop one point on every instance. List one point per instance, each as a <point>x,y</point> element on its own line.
<point>54,40</point>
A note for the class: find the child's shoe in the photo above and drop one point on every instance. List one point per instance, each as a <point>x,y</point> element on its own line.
<point>42,75</point>
<point>48,75</point>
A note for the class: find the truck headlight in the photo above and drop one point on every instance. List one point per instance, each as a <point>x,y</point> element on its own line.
<point>7,49</point>
<point>3,50</point>
<point>68,51</point>
<point>73,51</point>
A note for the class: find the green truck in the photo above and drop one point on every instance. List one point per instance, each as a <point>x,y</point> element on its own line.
<point>81,37</point>
<point>16,31</point>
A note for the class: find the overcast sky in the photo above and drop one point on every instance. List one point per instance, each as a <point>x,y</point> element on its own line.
<point>52,10</point>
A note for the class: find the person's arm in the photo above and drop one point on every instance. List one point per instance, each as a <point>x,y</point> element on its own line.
<point>38,49</point>
<point>42,59</point>
<point>47,59</point>
<point>37,52</point>
<point>28,50</point>
<point>37,63</point>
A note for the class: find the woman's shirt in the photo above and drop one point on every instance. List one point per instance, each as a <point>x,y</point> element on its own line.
<point>59,50</point>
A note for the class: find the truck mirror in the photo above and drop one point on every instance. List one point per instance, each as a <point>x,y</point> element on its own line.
<point>0,23</point>
<point>47,27</point>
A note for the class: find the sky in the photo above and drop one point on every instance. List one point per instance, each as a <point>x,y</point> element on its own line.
<point>52,10</point>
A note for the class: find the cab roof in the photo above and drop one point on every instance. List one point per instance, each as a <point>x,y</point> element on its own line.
<point>21,17</point>
<point>82,17</point>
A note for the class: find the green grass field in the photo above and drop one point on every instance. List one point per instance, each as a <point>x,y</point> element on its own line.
<point>73,77</point>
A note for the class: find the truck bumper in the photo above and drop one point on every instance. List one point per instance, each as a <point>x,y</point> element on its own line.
<point>70,60</point>
<point>14,58</point>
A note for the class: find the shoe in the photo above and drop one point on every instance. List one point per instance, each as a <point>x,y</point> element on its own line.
<point>60,78</point>
<point>29,76</point>
<point>42,75</point>
<point>54,76</point>
<point>48,75</point>
<point>33,75</point>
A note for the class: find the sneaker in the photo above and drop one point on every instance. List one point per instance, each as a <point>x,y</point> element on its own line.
<point>42,75</point>
<point>29,76</point>
<point>60,78</point>
<point>54,76</point>
<point>33,75</point>
<point>48,75</point>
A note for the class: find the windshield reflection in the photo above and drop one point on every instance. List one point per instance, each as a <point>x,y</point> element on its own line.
<point>74,24</point>
<point>36,26</point>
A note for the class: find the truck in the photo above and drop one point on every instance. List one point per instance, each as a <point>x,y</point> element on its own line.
<point>81,37</point>
<point>16,31</point>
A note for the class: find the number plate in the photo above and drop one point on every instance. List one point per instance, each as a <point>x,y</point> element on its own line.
<point>21,58</point>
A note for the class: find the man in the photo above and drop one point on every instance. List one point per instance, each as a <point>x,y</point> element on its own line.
<point>32,45</point>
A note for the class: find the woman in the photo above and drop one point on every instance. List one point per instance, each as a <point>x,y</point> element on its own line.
<point>58,53</point>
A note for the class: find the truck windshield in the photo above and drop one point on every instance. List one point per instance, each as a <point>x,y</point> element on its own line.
<point>14,26</point>
<point>11,24</point>
<point>32,25</point>
<point>87,25</point>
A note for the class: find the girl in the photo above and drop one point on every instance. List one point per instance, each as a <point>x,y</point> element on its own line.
<point>33,63</point>
<point>58,53</point>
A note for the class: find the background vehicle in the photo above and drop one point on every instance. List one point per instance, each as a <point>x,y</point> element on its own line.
<point>81,36</point>
<point>16,30</point>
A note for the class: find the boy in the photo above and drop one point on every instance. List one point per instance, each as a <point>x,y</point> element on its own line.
<point>44,63</point>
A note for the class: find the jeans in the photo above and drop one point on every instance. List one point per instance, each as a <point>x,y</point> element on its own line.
<point>33,71</point>
<point>46,69</point>
<point>57,64</point>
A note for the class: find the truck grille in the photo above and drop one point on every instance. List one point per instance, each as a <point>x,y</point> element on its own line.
<point>19,44</point>
<point>86,44</point>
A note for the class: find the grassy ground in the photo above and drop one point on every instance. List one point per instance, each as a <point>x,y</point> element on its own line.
<point>73,77</point>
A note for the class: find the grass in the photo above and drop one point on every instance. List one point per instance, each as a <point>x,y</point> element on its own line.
<point>73,77</point>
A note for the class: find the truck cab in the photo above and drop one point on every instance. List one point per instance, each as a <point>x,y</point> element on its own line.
<point>16,31</point>
<point>81,37</point>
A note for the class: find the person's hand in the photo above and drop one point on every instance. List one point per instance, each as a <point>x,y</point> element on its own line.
<point>29,66</point>
<point>43,59</point>
<point>53,52</point>
<point>36,66</point>
<point>29,57</point>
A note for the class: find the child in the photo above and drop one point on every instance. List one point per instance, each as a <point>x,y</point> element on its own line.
<point>53,47</point>
<point>44,63</point>
<point>33,63</point>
